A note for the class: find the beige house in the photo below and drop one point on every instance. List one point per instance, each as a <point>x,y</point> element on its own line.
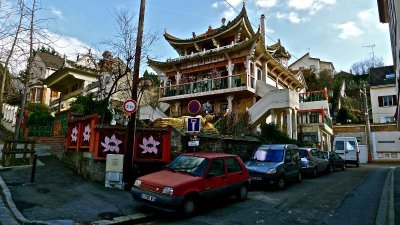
<point>44,64</point>
<point>383,94</point>
<point>315,64</point>
<point>389,11</point>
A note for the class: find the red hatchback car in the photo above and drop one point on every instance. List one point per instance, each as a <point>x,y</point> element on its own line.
<point>192,178</point>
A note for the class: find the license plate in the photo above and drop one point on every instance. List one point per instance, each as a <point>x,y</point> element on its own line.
<point>256,178</point>
<point>148,197</point>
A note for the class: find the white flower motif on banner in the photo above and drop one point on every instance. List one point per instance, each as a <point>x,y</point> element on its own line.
<point>74,134</point>
<point>149,145</point>
<point>111,144</point>
<point>86,133</point>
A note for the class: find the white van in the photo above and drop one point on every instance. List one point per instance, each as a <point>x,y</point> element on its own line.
<point>347,148</point>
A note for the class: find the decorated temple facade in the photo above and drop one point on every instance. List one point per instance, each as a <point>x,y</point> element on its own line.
<point>231,69</point>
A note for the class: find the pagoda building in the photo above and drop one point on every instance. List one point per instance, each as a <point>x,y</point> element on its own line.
<point>230,69</point>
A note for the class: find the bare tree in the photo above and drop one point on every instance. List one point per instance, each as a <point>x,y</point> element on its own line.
<point>118,69</point>
<point>363,66</point>
<point>32,12</point>
<point>5,68</point>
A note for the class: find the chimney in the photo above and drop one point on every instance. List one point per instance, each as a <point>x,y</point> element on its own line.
<point>262,28</point>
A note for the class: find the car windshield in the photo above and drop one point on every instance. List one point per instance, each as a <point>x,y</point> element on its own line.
<point>193,165</point>
<point>268,155</point>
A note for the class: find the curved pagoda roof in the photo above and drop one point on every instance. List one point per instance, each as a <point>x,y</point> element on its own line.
<point>211,33</point>
<point>278,51</point>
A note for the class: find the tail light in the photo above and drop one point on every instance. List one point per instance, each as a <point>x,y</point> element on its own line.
<point>308,155</point>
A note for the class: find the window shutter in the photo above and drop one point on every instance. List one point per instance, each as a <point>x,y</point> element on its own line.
<point>394,100</point>
<point>380,101</point>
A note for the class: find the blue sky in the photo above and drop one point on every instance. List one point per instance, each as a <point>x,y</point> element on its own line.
<point>332,30</point>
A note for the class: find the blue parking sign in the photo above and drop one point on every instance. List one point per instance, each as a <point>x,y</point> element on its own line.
<point>193,124</point>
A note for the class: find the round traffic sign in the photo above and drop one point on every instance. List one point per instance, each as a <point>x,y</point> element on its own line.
<point>129,106</point>
<point>194,106</point>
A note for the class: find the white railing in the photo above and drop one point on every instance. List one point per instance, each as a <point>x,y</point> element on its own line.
<point>10,113</point>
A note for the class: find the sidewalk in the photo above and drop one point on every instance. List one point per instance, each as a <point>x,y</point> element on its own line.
<point>60,196</point>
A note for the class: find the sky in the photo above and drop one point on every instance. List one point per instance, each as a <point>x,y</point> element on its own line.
<point>338,31</point>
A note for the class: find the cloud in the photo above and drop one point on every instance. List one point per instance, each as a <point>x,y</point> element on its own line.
<point>229,14</point>
<point>57,13</point>
<point>293,17</point>
<point>312,6</point>
<point>266,3</point>
<point>215,5</point>
<point>300,4</point>
<point>235,3</point>
<point>70,46</point>
<point>348,30</point>
<point>365,15</point>
<point>65,45</point>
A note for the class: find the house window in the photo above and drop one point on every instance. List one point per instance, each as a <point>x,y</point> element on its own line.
<point>388,100</point>
<point>312,67</point>
<point>259,74</point>
<point>314,117</point>
<point>384,119</point>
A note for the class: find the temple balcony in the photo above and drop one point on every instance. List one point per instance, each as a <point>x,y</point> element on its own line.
<point>208,87</point>
<point>314,100</point>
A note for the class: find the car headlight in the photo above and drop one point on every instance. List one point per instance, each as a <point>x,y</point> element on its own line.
<point>168,191</point>
<point>272,170</point>
<point>137,183</point>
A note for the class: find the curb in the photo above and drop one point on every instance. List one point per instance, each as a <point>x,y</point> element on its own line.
<point>385,213</point>
<point>13,208</point>
<point>15,213</point>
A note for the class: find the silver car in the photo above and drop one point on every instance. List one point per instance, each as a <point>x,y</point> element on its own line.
<point>313,161</point>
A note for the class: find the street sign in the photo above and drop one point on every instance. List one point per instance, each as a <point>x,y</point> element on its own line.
<point>193,143</point>
<point>193,124</point>
<point>194,106</point>
<point>129,106</point>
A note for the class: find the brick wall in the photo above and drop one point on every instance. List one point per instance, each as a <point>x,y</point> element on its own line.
<point>57,144</point>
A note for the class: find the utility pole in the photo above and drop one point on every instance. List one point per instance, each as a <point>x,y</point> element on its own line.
<point>367,125</point>
<point>128,156</point>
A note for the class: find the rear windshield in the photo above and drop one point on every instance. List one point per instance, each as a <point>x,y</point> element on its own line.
<point>303,153</point>
<point>269,155</point>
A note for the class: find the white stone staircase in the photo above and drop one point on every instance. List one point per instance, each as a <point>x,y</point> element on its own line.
<point>273,99</point>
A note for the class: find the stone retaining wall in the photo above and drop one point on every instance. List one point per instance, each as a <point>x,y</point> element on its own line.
<point>85,165</point>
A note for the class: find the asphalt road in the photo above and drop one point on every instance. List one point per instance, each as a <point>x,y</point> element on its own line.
<point>343,197</point>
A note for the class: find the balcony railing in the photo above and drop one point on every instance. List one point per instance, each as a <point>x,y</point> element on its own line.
<point>327,121</point>
<point>206,85</point>
<point>313,96</point>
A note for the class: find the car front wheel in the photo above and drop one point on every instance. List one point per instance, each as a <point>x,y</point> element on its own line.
<point>299,177</point>
<point>189,206</point>
<point>281,183</point>
<point>242,193</point>
<point>330,168</point>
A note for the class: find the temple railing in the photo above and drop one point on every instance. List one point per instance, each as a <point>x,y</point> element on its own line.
<point>206,85</point>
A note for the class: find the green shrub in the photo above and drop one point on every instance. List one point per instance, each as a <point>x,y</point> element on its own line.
<point>85,105</point>
<point>39,114</point>
<point>270,134</point>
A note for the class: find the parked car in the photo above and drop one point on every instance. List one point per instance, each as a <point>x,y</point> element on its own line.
<point>191,179</point>
<point>335,161</point>
<point>348,149</point>
<point>275,164</point>
<point>313,161</point>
